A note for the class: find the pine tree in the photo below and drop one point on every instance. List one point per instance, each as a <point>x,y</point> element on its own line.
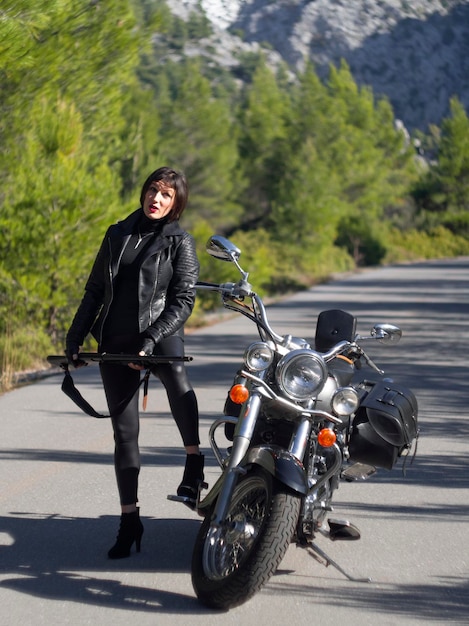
<point>263,131</point>
<point>53,212</point>
<point>452,169</point>
<point>198,136</point>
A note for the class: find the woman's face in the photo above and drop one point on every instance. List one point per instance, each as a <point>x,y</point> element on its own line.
<point>159,200</point>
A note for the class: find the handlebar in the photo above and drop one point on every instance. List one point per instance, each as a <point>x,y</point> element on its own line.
<point>123,359</point>
<point>233,294</point>
<point>230,290</point>
<point>209,286</point>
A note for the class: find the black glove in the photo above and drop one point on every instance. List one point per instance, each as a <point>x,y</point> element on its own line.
<point>72,351</point>
<point>148,346</point>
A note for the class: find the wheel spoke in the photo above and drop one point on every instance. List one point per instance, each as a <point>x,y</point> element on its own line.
<point>228,546</point>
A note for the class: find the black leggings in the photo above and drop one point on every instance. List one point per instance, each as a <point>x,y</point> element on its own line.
<point>120,380</point>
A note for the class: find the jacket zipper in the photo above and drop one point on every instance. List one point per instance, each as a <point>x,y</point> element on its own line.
<point>111,283</point>
<point>154,289</point>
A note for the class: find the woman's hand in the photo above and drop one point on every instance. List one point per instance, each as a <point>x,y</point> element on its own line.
<point>147,350</point>
<point>72,351</point>
<point>136,366</point>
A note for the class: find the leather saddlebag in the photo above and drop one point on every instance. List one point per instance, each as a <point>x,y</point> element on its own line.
<point>385,425</point>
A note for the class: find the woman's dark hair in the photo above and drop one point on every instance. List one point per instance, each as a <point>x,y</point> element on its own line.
<point>175,180</point>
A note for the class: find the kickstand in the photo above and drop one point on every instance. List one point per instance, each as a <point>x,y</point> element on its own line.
<point>314,550</point>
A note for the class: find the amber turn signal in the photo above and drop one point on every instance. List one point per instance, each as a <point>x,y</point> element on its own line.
<point>239,394</point>
<point>326,437</point>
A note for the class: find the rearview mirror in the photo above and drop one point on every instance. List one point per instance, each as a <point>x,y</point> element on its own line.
<point>386,333</point>
<point>222,248</point>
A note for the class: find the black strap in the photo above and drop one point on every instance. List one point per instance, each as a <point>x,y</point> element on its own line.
<point>69,389</point>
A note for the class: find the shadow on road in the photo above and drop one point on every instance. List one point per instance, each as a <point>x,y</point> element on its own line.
<point>47,554</point>
<point>443,602</point>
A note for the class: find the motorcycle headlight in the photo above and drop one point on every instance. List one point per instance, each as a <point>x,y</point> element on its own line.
<point>345,401</point>
<point>301,374</point>
<point>258,356</point>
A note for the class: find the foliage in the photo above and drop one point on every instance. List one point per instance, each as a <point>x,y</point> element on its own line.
<point>362,240</point>
<point>60,108</point>
<point>444,187</point>
<point>262,118</point>
<point>199,137</point>
<point>415,245</point>
<point>82,51</point>
<point>20,350</point>
<point>452,169</point>
<point>53,212</point>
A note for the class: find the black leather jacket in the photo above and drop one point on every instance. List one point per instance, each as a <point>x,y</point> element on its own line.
<point>166,288</point>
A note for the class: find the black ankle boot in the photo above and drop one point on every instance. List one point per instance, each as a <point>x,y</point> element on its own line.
<point>130,530</point>
<point>193,475</point>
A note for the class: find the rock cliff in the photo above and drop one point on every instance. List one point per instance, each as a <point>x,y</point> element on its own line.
<point>415,52</point>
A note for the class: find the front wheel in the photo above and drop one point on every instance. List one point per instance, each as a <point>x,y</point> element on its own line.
<point>232,562</point>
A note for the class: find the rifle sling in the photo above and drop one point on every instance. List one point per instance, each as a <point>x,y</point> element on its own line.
<point>70,390</point>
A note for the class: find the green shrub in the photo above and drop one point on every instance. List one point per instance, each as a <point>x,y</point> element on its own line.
<point>362,240</point>
<point>22,349</point>
<point>412,245</point>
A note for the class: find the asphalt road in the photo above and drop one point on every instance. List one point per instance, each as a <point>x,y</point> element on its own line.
<point>58,501</point>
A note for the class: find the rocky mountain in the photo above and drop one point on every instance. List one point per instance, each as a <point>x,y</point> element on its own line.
<point>415,52</point>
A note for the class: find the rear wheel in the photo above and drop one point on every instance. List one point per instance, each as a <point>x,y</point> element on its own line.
<point>232,562</point>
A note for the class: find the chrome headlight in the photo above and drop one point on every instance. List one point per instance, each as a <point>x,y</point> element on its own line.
<point>258,356</point>
<point>301,374</point>
<point>345,401</point>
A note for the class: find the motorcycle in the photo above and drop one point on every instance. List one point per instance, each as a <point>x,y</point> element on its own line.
<point>298,425</point>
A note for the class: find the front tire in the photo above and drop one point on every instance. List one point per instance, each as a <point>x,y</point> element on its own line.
<point>231,563</point>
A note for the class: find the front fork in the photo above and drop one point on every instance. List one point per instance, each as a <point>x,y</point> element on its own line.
<point>241,441</point>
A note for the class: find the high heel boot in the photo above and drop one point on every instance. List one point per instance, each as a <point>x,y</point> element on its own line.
<point>193,475</point>
<point>130,530</point>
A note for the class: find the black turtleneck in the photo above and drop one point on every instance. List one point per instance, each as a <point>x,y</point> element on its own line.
<point>123,314</point>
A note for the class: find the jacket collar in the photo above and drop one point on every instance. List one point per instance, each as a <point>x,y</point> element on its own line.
<point>127,225</point>
<point>119,237</point>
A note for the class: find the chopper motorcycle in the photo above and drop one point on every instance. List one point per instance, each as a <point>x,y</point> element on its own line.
<point>298,425</point>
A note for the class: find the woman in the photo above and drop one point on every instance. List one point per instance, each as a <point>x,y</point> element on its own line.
<point>139,294</point>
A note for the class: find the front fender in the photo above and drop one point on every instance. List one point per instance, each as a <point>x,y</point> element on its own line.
<point>281,464</point>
